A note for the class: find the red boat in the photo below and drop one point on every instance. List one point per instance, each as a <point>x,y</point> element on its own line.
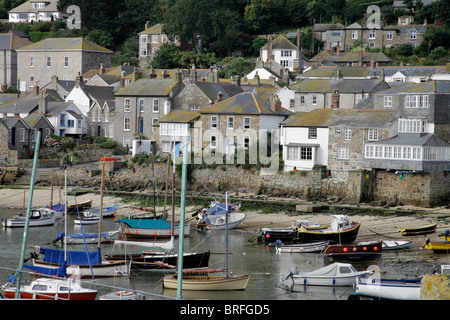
<point>350,252</point>
<point>51,289</point>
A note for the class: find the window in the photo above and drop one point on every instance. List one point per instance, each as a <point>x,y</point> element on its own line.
<point>387,101</point>
<point>48,62</point>
<point>348,134</point>
<point>126,105</point>
<point>284,63</point>
<point>155,38</point>
<point>79,124</point>
<point>313,100</point>
<point>312,133</point>
<point>387,152</point>
<point>70,123</point>
<point>164,38</point>
<point>155,105</point>
<point>144,38</point>
<point>154,120</point>
<point>31,62</point>
<point>417,101</point>
<point>411,125</point>
<point>126,142</point>
<point>32,81</point>
<point>141,105</point>
<point>286,53</point>
<point>246,123</point>
<point>302,99</point>
<point>306,153</point>
<point>369,151</point>
<point>213,121</point>
<point>343,153</point>
<point>21,134</point>
<point>355,34</point>
<point>174,129</point>
<point>213,141</point>
<point>141,125</point>
<point>246,142</point>
<point>230,122</point>
<point>62,120</point>
<point>292,153</point>
<point>413,35</point>
<point>373,134</point>
<point>338,132</point>
<point>126,124</point>
<point>292,103</point>
<point>389,35</point>
<point>372,34</point>
<point>66,62</point>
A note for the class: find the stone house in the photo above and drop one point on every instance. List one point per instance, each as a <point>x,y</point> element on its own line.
<point>239,122</point>
<point>18,135</point>
<point>35,11</point>
<point>38,122</point>
<point>312,94</point>
<point>171,130</point>
<point>65,58</point>
<point>62,88</point>
<point>9,43</point>
<point>304,139</point>
<point>22,106</point>
<point>141,104</point>
<point>197,94</point>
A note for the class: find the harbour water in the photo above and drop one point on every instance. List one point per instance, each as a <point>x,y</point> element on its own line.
<point>247,256</point>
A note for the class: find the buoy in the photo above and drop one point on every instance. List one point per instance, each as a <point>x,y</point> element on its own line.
<point>375,249</point>
<point>354,249</point>
<point>136,232</point>
<point>345,249</point>
<point>365,248</point>
<point>154,234</point>
<point>267,236</point>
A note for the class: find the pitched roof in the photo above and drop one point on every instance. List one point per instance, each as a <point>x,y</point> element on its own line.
<point>343,85</point>
<point>314,118</point>
<point>156,29</point>
<point>366,56</point>
<point>359,118</point>
<point>414,139</point>
<point>10,122</point>
<point>65,44</point>
<point>26,7</point>
<point>179,116</point>
<point>211,89</point>
<point>10,41</point>
<point>245,103</point>
<point>33,118</point>
<point>281,42</point>
<point>148,87</point>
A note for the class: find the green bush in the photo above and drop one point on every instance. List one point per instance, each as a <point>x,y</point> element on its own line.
<point>110,144</point>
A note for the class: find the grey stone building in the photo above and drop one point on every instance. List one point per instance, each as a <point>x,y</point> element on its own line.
<point>9,43</point>
<point>65,58</point>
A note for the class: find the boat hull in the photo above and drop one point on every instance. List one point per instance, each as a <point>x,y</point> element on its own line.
<point>145,233</point>
<point>326,281</point>
<point>19,223</point>
<point>109,236</point>
<point>371,251</point>
<point>51,296</point>
<point>217,222</point>
<point>430,228</point>
<point>438,247</point>
<point>103,270</point>
<point>207,283</point>
<point>163,262</point>
<point>300,248</point>
<point>345,236</point>
<point>389,289</point>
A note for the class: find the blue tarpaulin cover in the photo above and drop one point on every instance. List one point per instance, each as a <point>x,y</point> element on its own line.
<point>59,272</point>
<point>57,207</point>
<point>218,208</point>
<point>147,223</point>
<point>73,257</point>
<point>79,235</point>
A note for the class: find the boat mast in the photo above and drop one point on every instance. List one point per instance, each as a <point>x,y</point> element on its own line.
<point>101,207</point>
<point>182,217</point>
<point>226,234</point>
<point>27,218</point>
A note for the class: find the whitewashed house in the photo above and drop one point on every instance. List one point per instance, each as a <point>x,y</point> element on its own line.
<point>304,139</point>
<point>35,11</point>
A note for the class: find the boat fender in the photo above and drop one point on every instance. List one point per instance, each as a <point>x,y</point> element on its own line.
<point>334,281</point>
<point>304,281</point>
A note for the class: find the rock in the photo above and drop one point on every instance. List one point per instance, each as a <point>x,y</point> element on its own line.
<point>435,287</point>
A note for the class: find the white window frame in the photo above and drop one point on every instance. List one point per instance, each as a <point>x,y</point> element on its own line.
<point>126,124</point>
<point>155,105</point>
<point>293,153</point>
<point>413,35</point>
<point>246,123</point>
<point>312,133</point>
<point>354,34</point>
<point>343,153</point>
<point>48,61</point>
<point>372,134</point>
<point>31,61</point>
<point>314,100</point>
<point>389,35</point>
<point>387,101</point>
<point>66,62</point>
<point>141,104</point>
<point>214,122</point>
<point>126,105</point>
<point>347,134</point>
<point>230,123</point>
<point>372,34</point>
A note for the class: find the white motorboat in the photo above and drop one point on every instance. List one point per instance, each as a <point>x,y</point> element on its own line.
<point>80,238</point>
<point>336,274</point>
<point>214,217</point>
<point>388,289</point>
<point>38,218</point>
<point>301,247</point>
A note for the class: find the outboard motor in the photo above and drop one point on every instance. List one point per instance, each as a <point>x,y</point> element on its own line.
<point>292,272</point>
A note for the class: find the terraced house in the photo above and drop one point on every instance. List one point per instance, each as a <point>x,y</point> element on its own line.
<point>65,58</point>
<point>141,104</point>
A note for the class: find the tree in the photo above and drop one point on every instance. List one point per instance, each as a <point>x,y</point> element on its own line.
<point>166,57</point>
<point>236,66</point>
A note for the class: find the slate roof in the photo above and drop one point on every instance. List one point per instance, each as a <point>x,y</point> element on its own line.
<point>211,89</point>
<point>24,104</point>
<point>355,118</point>
<point>414,139</point>
<point>281,42</point>
<point>366,56</point>
<point>63,44</point>
<point>148,87</point>
<point>343,85</point>
<point>33,118</point>
<point>245,103</point>
<point>331,71</point>
<point>10,41</point>
<point>10,122</point>
<point>314,118</point>
<point>179,116</point>
<point>410,71</point>
<point>156,29</point>
<point>26,7</point>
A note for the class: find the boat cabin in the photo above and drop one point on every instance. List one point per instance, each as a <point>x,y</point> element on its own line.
<point>340,222</point>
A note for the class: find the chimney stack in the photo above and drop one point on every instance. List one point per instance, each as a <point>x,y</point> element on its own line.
<point>42,107</point>
<point>102,68</point>
<point>78,80</point>
<point>335,99</point>
<point>236,80</point>
<point>338,49</point>
<point>36,89</point>
<point>275,104</point>
<point>219,97</point>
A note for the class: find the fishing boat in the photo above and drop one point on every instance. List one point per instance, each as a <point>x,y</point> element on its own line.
<point>425,229</point>
<point>289,233</point>
<point>38,218</point>
<point>341,230</point>
<point>336,274</point>
<point>369,251</point>
<point>162,261</point>
<point>80,237</point>
<point>149,228</point>
<point>391,244</point>
<point>110,211</point>
<point>299,247</point>
<point>208,282</point>
<point>389,289</point>
<point>445,235</point>
<point>437,247</point>
<point>51,289</point>
<point>213,218</point>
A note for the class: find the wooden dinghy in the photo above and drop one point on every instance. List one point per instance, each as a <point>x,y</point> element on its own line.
<point>425,229</point>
